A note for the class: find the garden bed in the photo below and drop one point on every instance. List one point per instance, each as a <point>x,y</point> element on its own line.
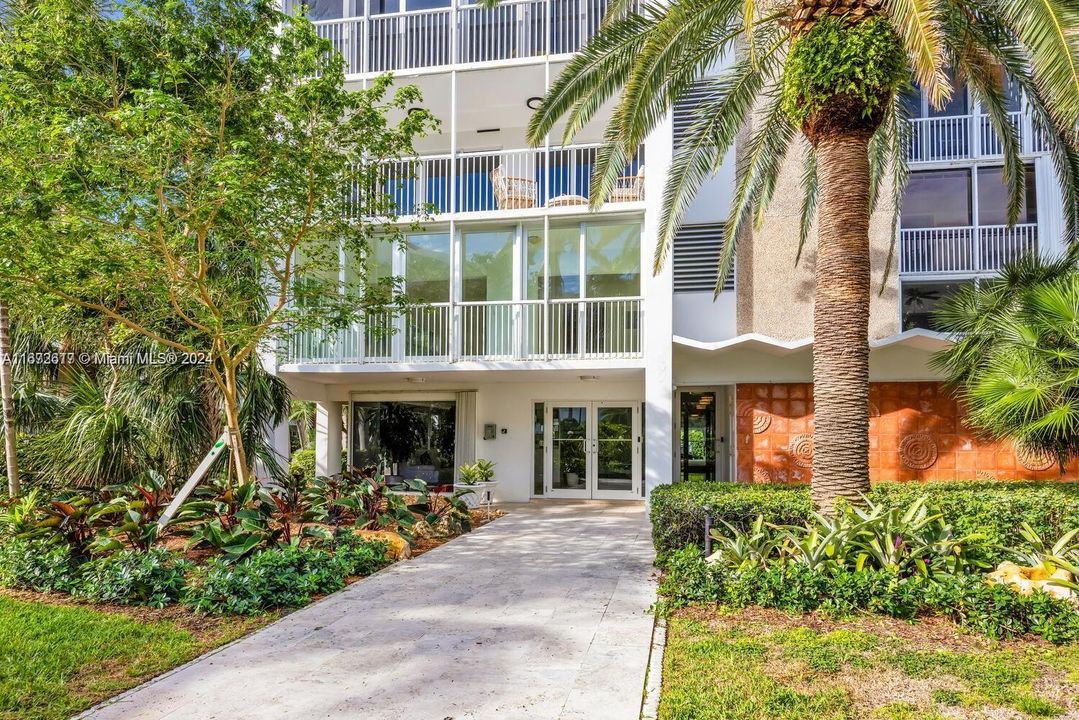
<point>758,664</point>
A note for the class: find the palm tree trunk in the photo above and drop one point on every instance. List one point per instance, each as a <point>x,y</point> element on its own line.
<point>7,391</point>
<point>841,321</point>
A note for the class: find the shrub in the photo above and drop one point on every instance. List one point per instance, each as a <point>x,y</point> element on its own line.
<point>994,610</point>
<point>37,564</point>
<point>303,464</point>
<point>358,557</point>
<point>132,577</point>
<point>996,510</point>
<point>284,576</point>
<point>677,511</point>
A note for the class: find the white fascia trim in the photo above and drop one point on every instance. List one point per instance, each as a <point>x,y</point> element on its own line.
<point>917,338</point>
<point>753,341</point>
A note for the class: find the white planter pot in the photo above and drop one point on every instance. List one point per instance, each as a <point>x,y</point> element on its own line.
<point>477,497</point>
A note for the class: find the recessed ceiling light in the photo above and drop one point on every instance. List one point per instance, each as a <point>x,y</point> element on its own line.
<point>534,102</point>
<point>416,380</point>
<point>589,378</point>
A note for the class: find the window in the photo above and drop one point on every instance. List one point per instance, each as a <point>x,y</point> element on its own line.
<point>406,439</point>
<point>921,299</point>
<point>613,260</point>
<point>534,264</point>
<point>993,197</point>
<point>487,265</point>
<point>564,253</point>
<point>937,198</point>
<point>427,267</point>
<point>324,9</point>
<point>537,448</point>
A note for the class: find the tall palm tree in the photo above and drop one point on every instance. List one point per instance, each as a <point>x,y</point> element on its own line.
<point>7,395</point>
<point>830,69</point>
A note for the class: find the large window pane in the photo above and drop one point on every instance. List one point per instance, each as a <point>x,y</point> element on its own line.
<point>534,267</point>
<point>921,299</point>
<point>406,439</point>
<point>378,267</point>
<point>993,198</point>
<point>958,104</point>
<point>324,9</point>
<point>487,265</point>
<point>427,267</point>
<point>938,198</point>
<point>613,260</point>
<point>564,253</point>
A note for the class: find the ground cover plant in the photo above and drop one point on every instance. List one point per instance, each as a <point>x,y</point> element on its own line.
<point>764,664</point>
<point>57,658</point>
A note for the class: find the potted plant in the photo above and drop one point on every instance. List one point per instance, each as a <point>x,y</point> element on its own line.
<point>476,477</point>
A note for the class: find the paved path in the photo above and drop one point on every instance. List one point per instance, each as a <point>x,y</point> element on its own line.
<point>541,614</point>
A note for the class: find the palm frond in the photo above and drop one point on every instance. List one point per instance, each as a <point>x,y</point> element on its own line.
<point>1046,28</point>
<point>918,26</point>
<point>809,198</point>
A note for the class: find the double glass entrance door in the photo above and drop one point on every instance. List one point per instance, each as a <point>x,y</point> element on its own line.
<point>592,450</point>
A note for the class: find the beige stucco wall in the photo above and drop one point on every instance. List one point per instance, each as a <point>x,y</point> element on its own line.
<point>775,296</point>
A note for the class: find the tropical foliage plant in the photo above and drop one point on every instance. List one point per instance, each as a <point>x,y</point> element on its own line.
<point>1015,361</point>
<point>830,72</point>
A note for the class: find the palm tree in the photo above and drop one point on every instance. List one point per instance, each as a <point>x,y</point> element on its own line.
<point>830,69</point>
<point>7,393</point>
<point>1016,358</point>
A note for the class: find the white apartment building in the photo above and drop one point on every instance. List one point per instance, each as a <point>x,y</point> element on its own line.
<point>546,344</point>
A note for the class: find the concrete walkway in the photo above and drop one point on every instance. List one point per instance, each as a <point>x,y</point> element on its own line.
<point>541,614</point>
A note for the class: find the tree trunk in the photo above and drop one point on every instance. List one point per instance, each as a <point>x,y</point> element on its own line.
<point>841,321</point>
<point>232,420</point>
<point>7,391</point>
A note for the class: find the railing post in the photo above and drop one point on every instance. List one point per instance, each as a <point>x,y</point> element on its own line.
<point>976,148</point>
<point>364,64</point>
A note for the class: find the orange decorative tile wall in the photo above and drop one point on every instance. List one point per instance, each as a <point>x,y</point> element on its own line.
<point>916,432</point>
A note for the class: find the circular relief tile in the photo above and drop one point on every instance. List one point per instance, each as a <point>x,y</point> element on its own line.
<point>1032,458</point>
<point>761,421</point>
<point>801,450</point>
<point>918,451</point>
<point>761,476</point>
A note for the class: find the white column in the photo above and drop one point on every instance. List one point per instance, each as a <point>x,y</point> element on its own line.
<point>328,438</point>
<point>658,319</point>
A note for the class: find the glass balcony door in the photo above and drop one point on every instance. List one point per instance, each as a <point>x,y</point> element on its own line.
<point>592,450</point>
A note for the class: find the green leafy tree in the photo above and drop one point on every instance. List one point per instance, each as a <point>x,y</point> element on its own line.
<point>829,70</point>
<point>189,171</point>
<point>1016,357</point>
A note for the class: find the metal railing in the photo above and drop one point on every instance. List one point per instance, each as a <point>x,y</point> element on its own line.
<point>505,180</point>
<point>511,330</point>
<point>966,137</point>
<point>463,34</point>
<point>964,249</point>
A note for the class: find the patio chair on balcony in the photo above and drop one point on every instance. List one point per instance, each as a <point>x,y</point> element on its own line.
<point>628,188</point>
<point>512,193</point>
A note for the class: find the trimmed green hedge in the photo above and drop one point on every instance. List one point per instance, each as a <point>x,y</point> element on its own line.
<point>995,509</point>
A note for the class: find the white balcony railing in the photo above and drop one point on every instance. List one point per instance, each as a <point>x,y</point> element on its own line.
<point>604,328</point>
<point>505,180</point>
<point>463,34</point>
<point>964,249</point>
<point>966,137</point>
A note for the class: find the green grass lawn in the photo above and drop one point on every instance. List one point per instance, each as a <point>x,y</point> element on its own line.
<point>58,659</point>
<point>765,665</point>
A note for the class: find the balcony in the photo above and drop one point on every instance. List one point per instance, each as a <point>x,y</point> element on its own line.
<point>463,34</point>
<point>499,331</point>
<point>506,180</point>
<point>948,250</point>
<point>949,138</point>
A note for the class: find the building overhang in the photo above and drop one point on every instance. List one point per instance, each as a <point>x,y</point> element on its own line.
<point>753,357</point>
